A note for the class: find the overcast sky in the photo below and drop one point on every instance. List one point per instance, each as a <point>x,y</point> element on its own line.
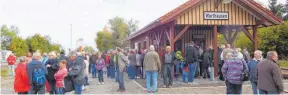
<point>53,17</point>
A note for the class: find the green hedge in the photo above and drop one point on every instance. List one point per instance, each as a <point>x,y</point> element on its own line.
<point>283,63</point>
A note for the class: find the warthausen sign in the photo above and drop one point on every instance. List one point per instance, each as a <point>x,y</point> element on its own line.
<point>216,15</point>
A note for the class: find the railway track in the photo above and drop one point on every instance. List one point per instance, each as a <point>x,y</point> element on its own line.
<point>284,73</point>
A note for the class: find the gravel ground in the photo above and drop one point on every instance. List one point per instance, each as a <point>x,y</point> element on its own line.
<point>135,87</point>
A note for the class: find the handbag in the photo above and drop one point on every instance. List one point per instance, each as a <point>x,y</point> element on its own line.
<point>244,74</point>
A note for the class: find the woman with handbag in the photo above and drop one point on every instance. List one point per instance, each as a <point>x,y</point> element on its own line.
<point>234,72</point>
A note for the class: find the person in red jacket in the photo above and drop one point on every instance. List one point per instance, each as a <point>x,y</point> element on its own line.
<point>11,64</point>
<point>59,77</point>
<point>21,83</point>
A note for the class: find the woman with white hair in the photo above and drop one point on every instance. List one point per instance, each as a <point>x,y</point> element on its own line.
<point>232,71</point>
<point>252,66</point>
<point>52,67</point>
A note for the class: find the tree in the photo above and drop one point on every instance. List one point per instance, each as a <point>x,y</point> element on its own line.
<point>277,9</point>
<point>54,47</point>
<point>132,26</point>
<point>121,29</point>
<point>286,11</point>
<point>88,49</point>
<point>18,46</point>
<point>37,42</point>
<point>104,40</point>
<point>7,35</point>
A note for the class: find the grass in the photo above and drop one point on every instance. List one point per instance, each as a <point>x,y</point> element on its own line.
<point>283,63</point>
<point>4,72</point>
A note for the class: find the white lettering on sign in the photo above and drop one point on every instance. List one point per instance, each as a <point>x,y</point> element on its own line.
<point>216,16</point>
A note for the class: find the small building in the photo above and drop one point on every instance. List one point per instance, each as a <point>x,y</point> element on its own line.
<point>201,21</point>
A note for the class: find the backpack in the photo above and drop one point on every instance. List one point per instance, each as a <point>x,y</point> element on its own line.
<point>38,77</point>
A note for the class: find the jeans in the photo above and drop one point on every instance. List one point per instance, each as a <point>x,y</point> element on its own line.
<point>112,71</point>
<point>78,88</point>
<point>233,88</point>
<point>192,69</point>
<point>254,87</point>
<point>132,72</point>
<point>108,73</point>
<point>178,68</point>
<point>11,69</point>
<point>167,76</point>
<point>268,92</point>
<point>151,77</point>
<point>121,80</point>
<point>52,85</point>
<point>39,91</point>
<point>184,76</point>
<point>117,74</point>
<point>100,76</point>
<point>94,71</point>
<point>60,90</point>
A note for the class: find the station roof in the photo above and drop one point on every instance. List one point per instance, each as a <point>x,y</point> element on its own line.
<point>267,18</point>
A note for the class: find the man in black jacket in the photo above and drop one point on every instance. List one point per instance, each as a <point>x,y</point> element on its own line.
<point>191,60</point>
<point>168,62</point>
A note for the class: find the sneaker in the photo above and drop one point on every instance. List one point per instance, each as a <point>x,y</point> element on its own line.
<point>170,86</point>
<point>164,86</point>
<point>102,83</point>
<point>155,91</point>
<point>99,83</point>
<point>122,90</point>
<point>194,83</point>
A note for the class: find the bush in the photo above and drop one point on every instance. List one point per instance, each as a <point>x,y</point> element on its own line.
<point>283,63</point>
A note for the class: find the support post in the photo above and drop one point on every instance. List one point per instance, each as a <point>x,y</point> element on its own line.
<point>172,36</point>
<point>255,43</point>
<point>215,54</point>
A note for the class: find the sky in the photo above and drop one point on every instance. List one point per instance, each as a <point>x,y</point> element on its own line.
<point>55,17</point>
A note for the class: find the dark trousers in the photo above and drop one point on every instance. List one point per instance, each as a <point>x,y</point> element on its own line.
<point>86,81</point>
<point>220,73</point>
<point>112,71</point>
<point>205,72</point>
<point>233,88</point>
<point>22,92</point>
<point>167,74</point>
<point>100,76</point>
<point>52,85</point>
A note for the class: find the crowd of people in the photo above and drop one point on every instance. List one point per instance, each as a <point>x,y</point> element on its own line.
<point>64,74</point>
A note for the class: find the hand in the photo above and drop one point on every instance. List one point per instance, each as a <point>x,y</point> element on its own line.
<point>70,69</point>
<point>48,65</point>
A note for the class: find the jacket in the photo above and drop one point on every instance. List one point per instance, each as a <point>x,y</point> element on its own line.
<point>77,72</point>
<point>52,69</point>
<point>206,59</point>
<point>173,58</point>
<point>191,55</point>
<point>59,77</point>
<point>11,60</point>
<point>269,76</point>
<point>63,57</point>
<point>21,83</point>
<point>232,70</point>
<point>139,59</point>
<point>121,61</point>
<point>100,64</point>
<point>152,61</point>
<point>107,59</point>
<point>33,65</point>
<point>112,63</point>
<point>132,59</point>
<point>252,67</point>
